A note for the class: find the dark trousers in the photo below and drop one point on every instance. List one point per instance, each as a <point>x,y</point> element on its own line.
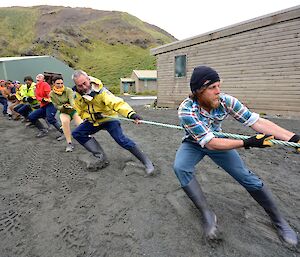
<point>3,101</point>
<point>84,130</point>
<point>23,109</point>
<point>46,112</point>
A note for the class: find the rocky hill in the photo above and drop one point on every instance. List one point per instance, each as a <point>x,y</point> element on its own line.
<point>107,44</point>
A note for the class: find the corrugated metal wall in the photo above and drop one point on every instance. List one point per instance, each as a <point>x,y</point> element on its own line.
<point>18,69</point>
<point>260,66</point>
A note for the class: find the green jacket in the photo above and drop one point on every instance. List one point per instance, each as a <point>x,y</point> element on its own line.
<point>67,97</point>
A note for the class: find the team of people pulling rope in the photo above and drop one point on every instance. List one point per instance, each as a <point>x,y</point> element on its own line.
<point>94,108</point>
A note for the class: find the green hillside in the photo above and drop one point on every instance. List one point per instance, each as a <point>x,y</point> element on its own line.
<point>106,44</point>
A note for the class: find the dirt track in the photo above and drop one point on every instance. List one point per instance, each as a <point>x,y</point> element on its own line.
<point>50,206</point>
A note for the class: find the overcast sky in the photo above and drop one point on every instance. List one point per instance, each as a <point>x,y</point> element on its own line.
<point>182,19</point>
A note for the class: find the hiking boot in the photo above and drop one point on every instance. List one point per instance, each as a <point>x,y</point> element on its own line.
<point>24,120</point>
<point>42,133</point>
<point>60,137</point>
<point>29,124</point>
<point>69,147</point>
<point>17,117</point>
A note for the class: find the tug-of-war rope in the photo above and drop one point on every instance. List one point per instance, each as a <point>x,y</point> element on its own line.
<point>218,134</point>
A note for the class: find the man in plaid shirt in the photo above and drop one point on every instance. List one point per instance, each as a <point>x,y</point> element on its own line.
<point>202,114</point>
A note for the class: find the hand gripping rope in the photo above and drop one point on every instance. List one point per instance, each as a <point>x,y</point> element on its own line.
<point>220,134</point>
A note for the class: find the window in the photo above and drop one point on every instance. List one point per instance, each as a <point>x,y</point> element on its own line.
<point>180,66</point>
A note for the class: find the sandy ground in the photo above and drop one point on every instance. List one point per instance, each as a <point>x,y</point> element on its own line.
<point>50,206</point>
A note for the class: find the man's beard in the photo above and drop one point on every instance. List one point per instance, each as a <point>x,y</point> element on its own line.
<point>84,92</point>
<point>88,92</point>
<point>215,103</point>
<point>211,104</point>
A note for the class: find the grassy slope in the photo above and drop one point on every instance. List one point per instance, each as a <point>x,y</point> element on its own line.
<point>112,62</point>
<point>17,29</point>
<point>106,61</point>
<point>141,25</point>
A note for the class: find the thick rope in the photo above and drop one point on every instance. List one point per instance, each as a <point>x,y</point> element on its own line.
<point>219,134</point>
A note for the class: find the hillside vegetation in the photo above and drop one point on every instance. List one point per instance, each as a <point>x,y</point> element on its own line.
<point>106,44</point>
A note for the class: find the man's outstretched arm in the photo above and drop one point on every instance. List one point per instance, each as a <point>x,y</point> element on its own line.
<point>270,128</point>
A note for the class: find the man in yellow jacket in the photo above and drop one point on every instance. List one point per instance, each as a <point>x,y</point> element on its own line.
<point>27,98</point>
<point>92,101</point>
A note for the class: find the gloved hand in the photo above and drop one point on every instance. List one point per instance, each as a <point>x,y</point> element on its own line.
<point>93,93</point>
<point>30,99</point>
<point>295,139</point>
<point>135,116</point>
<point>11,97</point>
<point>45,100</point>
<point>98,115</point>
<point>259,140</point>
<point>67,106</point>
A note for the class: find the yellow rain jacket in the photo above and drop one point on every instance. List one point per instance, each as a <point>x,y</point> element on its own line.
<point>24,91</point>
<point>18,95</point>
<point>27,92</point>
<point>103,102</point>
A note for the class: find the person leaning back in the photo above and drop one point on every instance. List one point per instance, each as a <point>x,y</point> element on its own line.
<point>92,102</point>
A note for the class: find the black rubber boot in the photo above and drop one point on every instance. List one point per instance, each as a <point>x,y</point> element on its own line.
<point>94,147</point>
<point>143,158</point>
<point>265,199</point>
<point>43,131</point>
<point>195,193</point>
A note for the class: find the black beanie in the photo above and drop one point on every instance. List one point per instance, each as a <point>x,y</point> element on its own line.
<point>203,76</point>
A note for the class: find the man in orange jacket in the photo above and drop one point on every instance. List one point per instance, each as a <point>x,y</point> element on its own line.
<point>3,100</point>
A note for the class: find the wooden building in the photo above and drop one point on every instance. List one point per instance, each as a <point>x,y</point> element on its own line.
<point>258,61</point>
<point>139,81</point>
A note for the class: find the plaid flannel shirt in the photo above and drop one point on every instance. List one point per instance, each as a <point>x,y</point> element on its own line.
<point>199,124</point>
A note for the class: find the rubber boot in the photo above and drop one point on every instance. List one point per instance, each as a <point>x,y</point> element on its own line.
<point>195,193</point>
<point>143,158</point>
<point>265,199</point>
<point>43,131</point>
<point>48,124</point>
<point>94,147</point>
<point>58,127</point>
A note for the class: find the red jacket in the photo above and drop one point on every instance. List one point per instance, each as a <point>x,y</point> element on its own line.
<point>42,91</point>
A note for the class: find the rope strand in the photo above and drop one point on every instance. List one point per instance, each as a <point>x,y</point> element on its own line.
<point>219,134</point>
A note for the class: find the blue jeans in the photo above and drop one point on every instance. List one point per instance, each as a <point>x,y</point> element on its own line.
<point>3,101</point>
<point>47,112</point>
<point>84,130</point>
<point>23,109</point>
<point>189,154</point>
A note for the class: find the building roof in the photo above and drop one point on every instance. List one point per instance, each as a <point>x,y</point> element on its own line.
<point>145,74</point>
<point>17,58</point>
<point>127,80</point>
<point>16,68</point>
<point>262,21</point>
